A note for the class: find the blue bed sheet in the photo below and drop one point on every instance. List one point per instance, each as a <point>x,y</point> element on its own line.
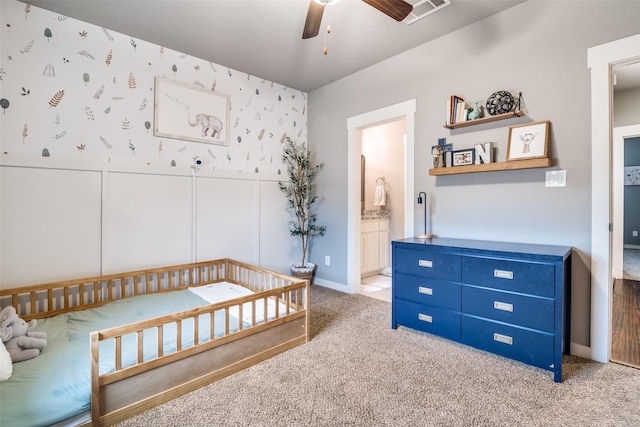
<point>57,384</point>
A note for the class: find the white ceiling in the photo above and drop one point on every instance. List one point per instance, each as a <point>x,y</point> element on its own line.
<point>264,37</point>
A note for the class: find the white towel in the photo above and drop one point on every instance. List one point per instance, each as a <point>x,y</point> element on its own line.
<point>380,197</point>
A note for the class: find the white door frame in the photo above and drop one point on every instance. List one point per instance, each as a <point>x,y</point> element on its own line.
<point>600,60</point>
<point>355,125</point>
<point>619,135</point>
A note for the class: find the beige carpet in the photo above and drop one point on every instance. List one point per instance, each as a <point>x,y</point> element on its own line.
<point>357,371</point>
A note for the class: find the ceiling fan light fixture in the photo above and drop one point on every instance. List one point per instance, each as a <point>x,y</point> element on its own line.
<point>326,2</point>
<point>396,9</point>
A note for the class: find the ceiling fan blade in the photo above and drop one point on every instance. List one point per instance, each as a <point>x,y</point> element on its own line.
<point>314,17</point>
<point>397,9</point>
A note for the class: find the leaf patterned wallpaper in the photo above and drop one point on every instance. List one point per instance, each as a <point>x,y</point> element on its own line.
<point>72,90</point>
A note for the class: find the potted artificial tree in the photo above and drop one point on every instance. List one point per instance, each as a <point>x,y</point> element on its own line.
<point>300,193</point>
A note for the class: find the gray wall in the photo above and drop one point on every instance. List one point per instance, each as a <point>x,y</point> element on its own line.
<point>632,194</point>
<point>526,48</point>
<point>626,107</point>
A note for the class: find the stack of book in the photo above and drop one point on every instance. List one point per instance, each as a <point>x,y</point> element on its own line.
<point>456,110</point>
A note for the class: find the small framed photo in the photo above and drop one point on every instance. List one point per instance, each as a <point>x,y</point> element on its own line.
<point>528,141</point>
<point>463,157</point>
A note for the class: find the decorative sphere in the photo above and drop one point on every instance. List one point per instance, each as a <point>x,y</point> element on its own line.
<point>500,102</point>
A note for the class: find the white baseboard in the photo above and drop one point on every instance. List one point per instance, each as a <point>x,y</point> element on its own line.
<point>332,285</point>
<point>580,351</point>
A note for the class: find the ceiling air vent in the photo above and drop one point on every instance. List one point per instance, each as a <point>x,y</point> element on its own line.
<point>423,8</point>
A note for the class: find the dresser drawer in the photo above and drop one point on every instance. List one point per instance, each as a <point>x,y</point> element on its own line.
<point>445,323</point>
<point>518,276</point>
<point>427,264</point>
<point>525,345</point>
<point>520,310</point>
<point>433,292</point>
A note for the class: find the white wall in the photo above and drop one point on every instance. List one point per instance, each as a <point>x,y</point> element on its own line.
<point>86,186</point>
<point>525,48</point>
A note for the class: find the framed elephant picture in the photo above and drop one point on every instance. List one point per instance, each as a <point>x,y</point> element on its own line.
<point>190,113</point>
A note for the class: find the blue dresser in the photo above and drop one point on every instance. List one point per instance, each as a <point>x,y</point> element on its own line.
<point>510,299</point>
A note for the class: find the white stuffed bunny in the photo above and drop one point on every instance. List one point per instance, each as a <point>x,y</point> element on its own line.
<point>14,332</point>
<point>6,366</point>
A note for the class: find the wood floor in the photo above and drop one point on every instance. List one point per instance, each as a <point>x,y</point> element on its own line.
<point>625,344</point>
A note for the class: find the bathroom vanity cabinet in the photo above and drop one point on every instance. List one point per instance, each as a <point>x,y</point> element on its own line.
<point>374,246</point>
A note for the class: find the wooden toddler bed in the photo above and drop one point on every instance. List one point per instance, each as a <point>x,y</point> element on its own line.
<point>139,365</point>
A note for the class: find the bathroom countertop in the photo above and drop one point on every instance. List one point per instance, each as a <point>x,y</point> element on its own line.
<point>375,214</point>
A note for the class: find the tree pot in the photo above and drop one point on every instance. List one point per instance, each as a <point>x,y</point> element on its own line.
<point>305,273</point>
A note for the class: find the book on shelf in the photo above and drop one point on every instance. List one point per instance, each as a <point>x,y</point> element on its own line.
<point>456,110</point>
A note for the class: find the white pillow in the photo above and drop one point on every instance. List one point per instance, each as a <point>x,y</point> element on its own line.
<point>6,366</point>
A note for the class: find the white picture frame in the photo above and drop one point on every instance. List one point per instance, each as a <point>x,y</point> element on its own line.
<point>190,113</point>
<point>528,141</point>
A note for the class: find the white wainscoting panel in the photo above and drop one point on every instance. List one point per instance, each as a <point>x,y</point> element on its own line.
<point>51,225</point>
<point>227,219</point>
<point>147,221</point>
<point>278,250</point>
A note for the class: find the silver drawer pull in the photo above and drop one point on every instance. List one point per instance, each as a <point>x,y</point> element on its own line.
<point>504,306</point>
<point>503,338</point>
<point>503,274</point>
<point>425,318</point>
<point>425,263</point>
<point>425,291</point>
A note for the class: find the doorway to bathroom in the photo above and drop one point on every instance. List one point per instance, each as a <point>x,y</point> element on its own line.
<point>382,204</point>
<point>393,125</point>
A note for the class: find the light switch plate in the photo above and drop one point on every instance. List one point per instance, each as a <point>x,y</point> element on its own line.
<point>556,178</point>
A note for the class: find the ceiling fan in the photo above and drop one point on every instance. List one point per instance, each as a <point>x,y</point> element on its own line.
<point>396,9</point>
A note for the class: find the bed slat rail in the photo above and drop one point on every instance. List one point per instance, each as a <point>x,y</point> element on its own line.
<point>47,300</point>
<point>157,324</point>
<point>287,293</point>
<point>139,381</point>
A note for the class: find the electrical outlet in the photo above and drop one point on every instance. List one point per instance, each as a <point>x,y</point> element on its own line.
<point>327,260</point>
<point>635,233</point>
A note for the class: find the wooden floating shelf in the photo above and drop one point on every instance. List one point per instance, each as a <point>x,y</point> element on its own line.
<point>486,119</point>
<point>543,162</point>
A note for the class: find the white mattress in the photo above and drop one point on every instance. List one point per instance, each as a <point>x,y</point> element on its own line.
<point>225,291</point>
